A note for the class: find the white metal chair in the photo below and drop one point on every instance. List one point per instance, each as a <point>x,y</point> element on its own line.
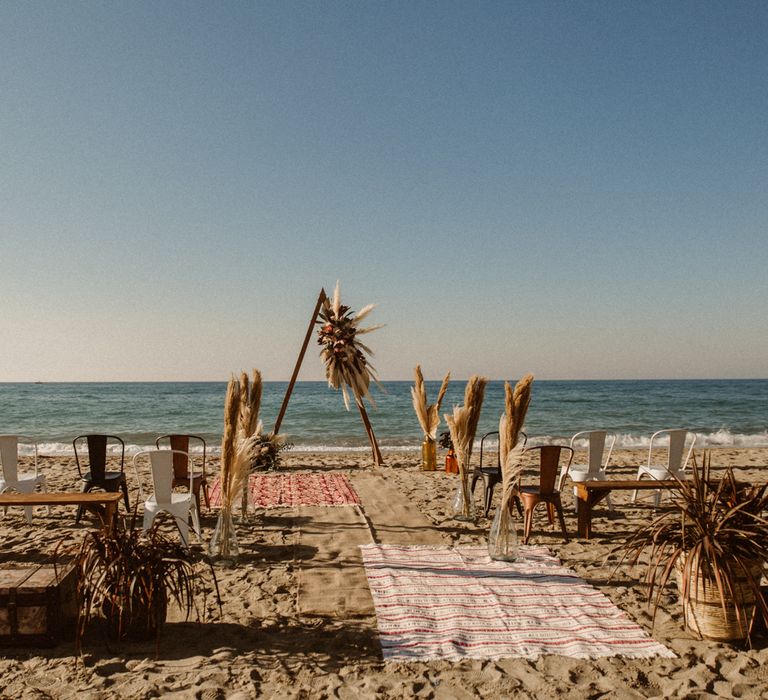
<point>11,480</point>
<point>182,464</point>
<point>596,466</point>
<point>178,505</point>
<point>675,466</point>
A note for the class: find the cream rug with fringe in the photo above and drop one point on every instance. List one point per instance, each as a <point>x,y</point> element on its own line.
<point>456,603</point>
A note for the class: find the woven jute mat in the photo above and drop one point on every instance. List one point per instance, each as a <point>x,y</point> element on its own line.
<point>331,575</point>
<point>393,518</point>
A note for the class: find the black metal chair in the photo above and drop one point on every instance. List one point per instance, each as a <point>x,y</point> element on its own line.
<point>490,475</point>
<point>97,476</point>
<point>179,443</point>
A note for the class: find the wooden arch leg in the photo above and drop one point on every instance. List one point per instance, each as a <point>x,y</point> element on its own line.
<point>378,460</point>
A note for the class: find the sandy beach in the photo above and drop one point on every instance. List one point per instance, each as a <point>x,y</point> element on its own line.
<point>264,645</point>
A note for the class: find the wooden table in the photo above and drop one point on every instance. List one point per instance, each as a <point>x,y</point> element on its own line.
<point>588,493</point>
<point>92,501</point>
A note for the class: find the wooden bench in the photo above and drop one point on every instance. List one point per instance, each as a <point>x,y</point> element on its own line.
<point>588,493</point>
<point>103,504</point>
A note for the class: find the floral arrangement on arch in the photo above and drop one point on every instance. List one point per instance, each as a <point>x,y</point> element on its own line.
<point>344,355</point>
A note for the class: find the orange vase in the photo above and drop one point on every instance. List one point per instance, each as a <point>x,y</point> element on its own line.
<point>451,463</point>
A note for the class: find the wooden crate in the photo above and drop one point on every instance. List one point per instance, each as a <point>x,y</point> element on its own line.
<point>36,605</point>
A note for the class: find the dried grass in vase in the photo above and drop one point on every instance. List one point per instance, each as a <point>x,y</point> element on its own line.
<point>503,537</point>
<point>427,415</point>
<point>237,453</point>
<point>463,426</point>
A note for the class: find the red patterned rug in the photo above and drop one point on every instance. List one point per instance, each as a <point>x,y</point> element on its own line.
<point>307,489</point>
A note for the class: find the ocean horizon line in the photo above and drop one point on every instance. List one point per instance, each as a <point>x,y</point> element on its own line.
<point>721,439</point>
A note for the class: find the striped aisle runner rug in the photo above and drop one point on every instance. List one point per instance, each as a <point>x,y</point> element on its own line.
<point>456,603</point>
<point>303,489</point>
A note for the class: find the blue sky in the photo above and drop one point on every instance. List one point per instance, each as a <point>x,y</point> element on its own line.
<point>575,189</point>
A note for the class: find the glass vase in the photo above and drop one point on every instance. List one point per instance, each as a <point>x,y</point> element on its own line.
<point>428,455</point>
<point>502,538</point>
<point>462,503</point>
<point>223,549</point>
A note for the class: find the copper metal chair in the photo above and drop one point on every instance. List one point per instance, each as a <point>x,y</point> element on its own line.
<point>490,475</point>
<point>97,475</point>
<point>179,443</point>
<point>544,491</point>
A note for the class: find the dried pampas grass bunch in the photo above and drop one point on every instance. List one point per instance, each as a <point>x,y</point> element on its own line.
<point>463,426</point>
<point>250,404</point>
<point>263,450</point>
<point>516,404</point>
<point>427,415</point>
<point>344,355</point>
<point>237,449</point>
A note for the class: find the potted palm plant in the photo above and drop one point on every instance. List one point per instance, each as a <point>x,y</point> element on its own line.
<point>129,578</point>
<point>714,540</point>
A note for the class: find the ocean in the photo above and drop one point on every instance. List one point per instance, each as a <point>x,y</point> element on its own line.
<point>722,412</point>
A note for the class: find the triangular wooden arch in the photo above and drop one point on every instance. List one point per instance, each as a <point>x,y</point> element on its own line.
<point>378,460</point>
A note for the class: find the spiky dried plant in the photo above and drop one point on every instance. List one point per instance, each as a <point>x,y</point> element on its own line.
<point>342,351</point>
<point>427,415</point>
<point>715,537</point>
<point>131,577</point>
<point>463,426</point>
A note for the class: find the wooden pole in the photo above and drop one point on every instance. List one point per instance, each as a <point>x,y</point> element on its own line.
<point>320,299</point>
<point>378,460</point>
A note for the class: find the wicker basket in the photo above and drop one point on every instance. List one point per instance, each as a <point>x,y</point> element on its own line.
<point>704,613</point>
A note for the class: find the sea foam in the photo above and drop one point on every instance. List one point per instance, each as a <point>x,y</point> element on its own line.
<point>719,438</point>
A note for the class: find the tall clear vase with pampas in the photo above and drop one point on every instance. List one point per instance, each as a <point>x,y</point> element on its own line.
<point>503,541</point>
<point>223,549</point>
<point>462,424</point>
<point>237,453</point>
